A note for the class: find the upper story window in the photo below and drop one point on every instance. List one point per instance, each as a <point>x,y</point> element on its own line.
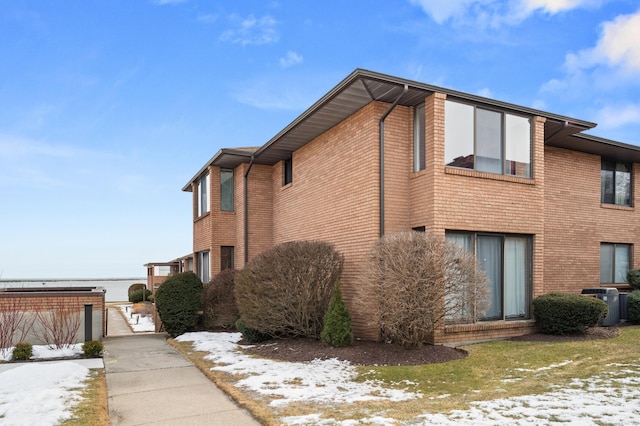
<point>203,194</point>
<point>226,190</point>
<point>419,158</point>
<point>615,183</point>
<point>287,171</point>
<point>486,140</point>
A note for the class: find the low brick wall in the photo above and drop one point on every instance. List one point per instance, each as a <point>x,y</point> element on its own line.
<point>48,308</point>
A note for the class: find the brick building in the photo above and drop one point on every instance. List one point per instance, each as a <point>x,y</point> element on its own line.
<point>544,206</point>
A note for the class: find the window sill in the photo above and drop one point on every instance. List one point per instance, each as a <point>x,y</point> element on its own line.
<point>617,207</point>
<point>492,176</point>
<point>201,217</point>
<point>418,173</point>
<point>289,185</point>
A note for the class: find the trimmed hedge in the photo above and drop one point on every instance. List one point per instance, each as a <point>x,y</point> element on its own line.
<point>251,334</point>
<point>633,278</point>
<point>178,302</point>
<point>138,296</point>
<point>633,300</point>
<point>559,313</point>
<point>219,302</point>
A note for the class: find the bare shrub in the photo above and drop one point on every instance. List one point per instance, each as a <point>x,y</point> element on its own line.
<point>415,281</point>
<point>59,323</point>
<point>15,323</point>
<point>285,291</point>
<point>219,301</point>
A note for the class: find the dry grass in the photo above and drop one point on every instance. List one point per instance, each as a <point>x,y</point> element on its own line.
<point>93,409</point>
<point>492,370</point>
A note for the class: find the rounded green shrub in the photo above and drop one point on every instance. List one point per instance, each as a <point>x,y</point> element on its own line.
<point>633,313</point>
<point>336,330</point>
<point>178,301</point>
<point>285,291</point>
<point>138,296</point>
<point>23,351</point>
<point>92,348</point>
<point>633,278</point>
<point>559,313</point>
<point>251,335</point>
<point>219,301</point>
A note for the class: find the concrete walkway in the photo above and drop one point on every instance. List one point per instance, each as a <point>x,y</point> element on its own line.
<point>149,382</point>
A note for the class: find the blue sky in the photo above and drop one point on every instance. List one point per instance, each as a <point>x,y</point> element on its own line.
<point>108,108</point>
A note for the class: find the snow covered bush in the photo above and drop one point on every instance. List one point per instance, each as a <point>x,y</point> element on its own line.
<point>285,291</point>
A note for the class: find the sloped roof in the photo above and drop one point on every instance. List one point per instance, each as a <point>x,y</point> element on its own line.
<point>362,87</point>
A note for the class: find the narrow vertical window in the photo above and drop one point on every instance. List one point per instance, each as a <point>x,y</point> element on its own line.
<point>226,258</point>
<point>419,158</point>
<point>287,171</point>
<point>458,133</point>
<point>518,146</point>
<point>226,190</point>
<point>203,266</point>
<point>203,194</point>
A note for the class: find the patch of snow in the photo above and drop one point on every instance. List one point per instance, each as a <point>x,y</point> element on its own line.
<point>138,322</point>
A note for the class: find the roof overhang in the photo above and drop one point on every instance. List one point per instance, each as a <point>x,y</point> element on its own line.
<point>595,145</point>
<point>226,158</point>
<point>362,87</point>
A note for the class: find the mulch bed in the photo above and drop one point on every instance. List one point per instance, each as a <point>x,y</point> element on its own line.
<point>378,353</point>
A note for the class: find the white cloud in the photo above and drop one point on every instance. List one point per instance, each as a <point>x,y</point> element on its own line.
<point>291,59</point>
<point>618,46</point>
<point>485,92</point>
<point>496,13</point>
<point>252,30</point>
<point>618,115</point>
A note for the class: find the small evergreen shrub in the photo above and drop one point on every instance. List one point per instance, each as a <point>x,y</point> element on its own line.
<point>219,301</point>
<point>633,278</point>
<point>138,296</point>
<point>251,335</point>
<point>178,301</point>
<point>559,313</point>
<point>336,330</point>
<point>633,313</point>
<point>23,351</point>
<point>92,348</point>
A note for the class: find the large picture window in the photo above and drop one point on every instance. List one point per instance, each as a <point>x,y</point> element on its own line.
<point>226,190</point>
<point>203,194</point>
<point>506,259</point>
<point>615,262</point>
<point>615,183</point>
<point>487,140</point>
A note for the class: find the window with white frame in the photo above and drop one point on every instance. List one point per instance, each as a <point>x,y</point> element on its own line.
<point>203,194</point>
<point>487,140</point>
<point>615,183</point>
<point>202,264</point>
<point>507,260</point>
<point>615,262</point>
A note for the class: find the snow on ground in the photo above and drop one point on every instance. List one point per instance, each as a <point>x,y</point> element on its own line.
<point>610,398</point>
<point>42,393</point>
<point>287,382</point>
<point>136,321</point>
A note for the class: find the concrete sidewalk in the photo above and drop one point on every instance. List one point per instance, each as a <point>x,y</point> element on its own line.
<point>149,382</point>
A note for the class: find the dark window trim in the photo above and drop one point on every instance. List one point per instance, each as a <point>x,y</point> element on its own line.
<point>629,165</point>
<point>287,171</point>
<point>233,203</point>
<point>227,260</point>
